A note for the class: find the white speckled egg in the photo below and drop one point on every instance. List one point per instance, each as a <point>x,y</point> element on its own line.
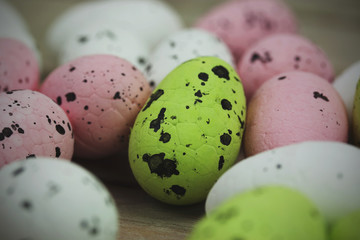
<point>151,20</point>
<point>182,46</point>
<point>345,84</point>
<point>105,39</point>
<point>326,172</point>
<point>48,198</point>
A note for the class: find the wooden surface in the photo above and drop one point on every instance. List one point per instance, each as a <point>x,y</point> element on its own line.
<point>334,25</point>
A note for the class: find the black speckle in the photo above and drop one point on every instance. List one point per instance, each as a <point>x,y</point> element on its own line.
<point>221,72</point>
<point>281,78</point>
<point>226,105</point>
<point>72,68</point>
<point>198,94</point>
<point>26,205</point>
<point>225,139</point>
<point>221,163</point>
<point>117,95</point>
<point>197,101</point>
<point>82,39</point>
<point>141,60</point>
<point>7,132</point>
<point>155,96</point>
<point>70,97</point>
<point>320,95</point>
<point>164,137</point>
<point>155,124</point>
<point>242,123</point>
<point>60,129</point>
<point>21,131</point>
<point>57,152</point>
<point>178,190</point>
<point>59,100</point>
<point>203,76</point>
<point>161,166</point>
<point>187,107</point>
<point>86,107</point>
<point>257,57</point>
<point>278,166</point>
<point>18,171</point>
<point>30,156</point>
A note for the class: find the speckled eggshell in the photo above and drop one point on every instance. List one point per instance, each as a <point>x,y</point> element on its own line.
<point>150,20</point>
<point>293,107</point>
<point>105,39</point>
<point>347,227</point>
<point>271,212</point>
<point>102,94</point>
<point>189,132</point>
<point>281,53</point>
<point>48,198</point>
<point>18,66</point>
<point>13,25</point>
<point>240,23</point>
<point>182,46</point>
<point>356,117</point>
<point>345,84</point>
<point>326,172</point>
<point>32,125</point>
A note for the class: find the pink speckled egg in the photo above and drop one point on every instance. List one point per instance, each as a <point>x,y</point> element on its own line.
<point>293,107</point>
<point>102,94</point>
<point>19,68</point>
<point>280,53</point>
<point>32,125</point>
<point>240,23</point>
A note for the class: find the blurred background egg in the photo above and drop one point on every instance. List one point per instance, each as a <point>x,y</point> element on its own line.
<point>347,227</point>
<point>105,39</point>
<point>32,125</point>
<point>293,107</point>
<point>47,198</point>
<point>241,23</point>
<point>268,212</point>
<point>355,134</point>
<point>325,172</point>
<point>101,94</point>
<point>19,68</point>
<point>182,46</point>
<point>281,53</point>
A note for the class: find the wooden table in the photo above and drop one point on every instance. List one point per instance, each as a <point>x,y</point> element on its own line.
<point>334,25</point>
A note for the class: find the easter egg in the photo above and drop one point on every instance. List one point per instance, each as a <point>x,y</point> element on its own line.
<point>32,125</point>
<point>102,95</point>
<point>266,213</point>
<point>293,107</point>
<point>182,46</point>
<point>356,116</point>
<point>345,84</point>
<point>47,198</point>
<point>347,227</point>
<point>189,131</point>
<point>326,172</point>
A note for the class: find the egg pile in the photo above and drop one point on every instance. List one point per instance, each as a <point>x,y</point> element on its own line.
<point>238,110</point>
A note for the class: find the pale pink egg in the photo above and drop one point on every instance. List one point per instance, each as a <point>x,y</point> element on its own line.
<point>19,68</point>
<point>281,53</point>
<point>102,95</point>
<point>33,125</point>
<point>240,23</point>
<point>293,107</point>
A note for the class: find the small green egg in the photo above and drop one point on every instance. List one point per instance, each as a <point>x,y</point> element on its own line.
<point>356,116</point>
<point>266,213</point>
<point>189,132</point>
<point>347,227</point>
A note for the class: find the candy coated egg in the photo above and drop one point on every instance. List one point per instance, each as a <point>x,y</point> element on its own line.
<point>293,107</point>
<point>356,116</point>
<point>152,22</point>
<point>32,125</point>
<point>102,95</point>
<point>345,84</point>
<point>19,68</point>
<point>240,23</point>
<point>347,227</point>
<point>47,198</point>
<point>281,53</point>
<point>265,213</point>
<point>105,39</point>
<point>181,46</point>
<point>326,172</point>
<point>189,131</point>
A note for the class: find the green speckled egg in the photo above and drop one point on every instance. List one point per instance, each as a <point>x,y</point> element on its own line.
<point>347,227</point>
<point>266,213</point>
<point>189,132</point>
<point>356,116</point>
